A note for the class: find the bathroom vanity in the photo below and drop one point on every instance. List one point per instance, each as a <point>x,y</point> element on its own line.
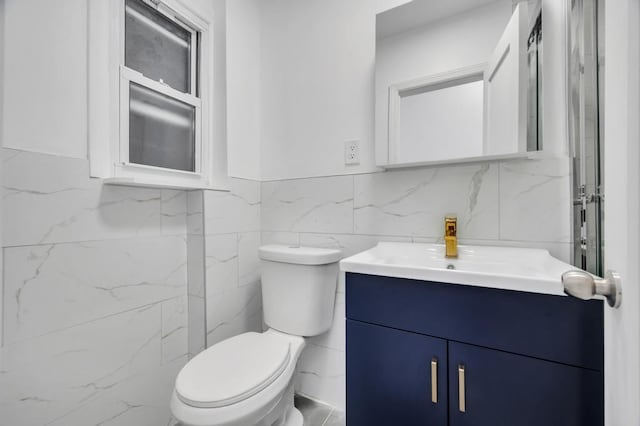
<point>472,347</point>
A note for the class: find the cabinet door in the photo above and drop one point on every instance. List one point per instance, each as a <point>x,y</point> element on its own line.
<point>505,84</point>
<point>389,377</point>
<point>503,389</point>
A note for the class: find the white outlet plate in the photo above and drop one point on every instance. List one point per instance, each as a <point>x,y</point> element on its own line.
<point>352,152</point>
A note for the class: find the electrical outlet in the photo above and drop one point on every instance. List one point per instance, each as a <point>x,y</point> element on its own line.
<point>352,152</point>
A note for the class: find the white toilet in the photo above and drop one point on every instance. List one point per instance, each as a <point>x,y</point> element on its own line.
<point>247,380</point>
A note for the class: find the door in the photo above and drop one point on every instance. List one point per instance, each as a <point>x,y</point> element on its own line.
<point>494,388</point>
<point>392,376</point>
<point>622,212</point>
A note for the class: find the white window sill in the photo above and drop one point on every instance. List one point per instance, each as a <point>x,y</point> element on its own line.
<point>149,183</point>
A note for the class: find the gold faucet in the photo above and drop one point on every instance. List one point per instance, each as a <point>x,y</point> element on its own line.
<point>450,236</point>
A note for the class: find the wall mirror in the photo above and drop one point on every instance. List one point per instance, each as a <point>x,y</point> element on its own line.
<point>457,81</point>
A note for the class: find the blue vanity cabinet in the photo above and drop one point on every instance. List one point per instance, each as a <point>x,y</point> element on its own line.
<point>529,359</point>
<point>506,389</point>
<point>390,377</point>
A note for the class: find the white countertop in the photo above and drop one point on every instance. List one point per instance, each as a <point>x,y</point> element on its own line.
<point>507,268</point>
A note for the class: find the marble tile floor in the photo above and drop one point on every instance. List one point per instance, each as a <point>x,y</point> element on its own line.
<point>318,414</point>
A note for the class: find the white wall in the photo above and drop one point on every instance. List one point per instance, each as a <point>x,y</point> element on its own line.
<point>317,85</point>
<point>243,87</point>
<point>45,99</point>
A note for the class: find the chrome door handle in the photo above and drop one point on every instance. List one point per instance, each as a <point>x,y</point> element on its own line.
<point>434,380</point>
<point>584,286</point>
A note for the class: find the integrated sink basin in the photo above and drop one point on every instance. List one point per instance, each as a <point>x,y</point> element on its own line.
<point>508,268</point>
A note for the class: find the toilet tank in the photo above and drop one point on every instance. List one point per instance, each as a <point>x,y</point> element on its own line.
<point>298,288</point>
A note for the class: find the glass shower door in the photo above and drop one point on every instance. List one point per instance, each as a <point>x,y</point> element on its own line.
<point>586,46</point>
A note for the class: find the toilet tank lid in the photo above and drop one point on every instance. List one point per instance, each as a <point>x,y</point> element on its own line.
<point>299,255</point>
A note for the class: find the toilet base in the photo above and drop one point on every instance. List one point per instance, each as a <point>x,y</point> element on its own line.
<point>294,418</point>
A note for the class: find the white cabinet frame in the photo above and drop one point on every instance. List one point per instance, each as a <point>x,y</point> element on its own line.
<point>426,84</point>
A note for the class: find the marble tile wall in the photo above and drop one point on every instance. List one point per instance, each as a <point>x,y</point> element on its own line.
<point>95,296</point>
<point>98,315</point>
<point>196,272</point>
<point>515,203</point>
<point>232,269</point>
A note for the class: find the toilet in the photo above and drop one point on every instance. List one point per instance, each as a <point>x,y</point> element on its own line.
<point>247,380</point>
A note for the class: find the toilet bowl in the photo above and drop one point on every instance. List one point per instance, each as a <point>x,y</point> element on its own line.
<point>249,387</point>
<point>248,379</point>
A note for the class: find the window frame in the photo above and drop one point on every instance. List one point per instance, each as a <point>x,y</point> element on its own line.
<point>128,76</point>
<point>108,83</point>
<point>160,7</point>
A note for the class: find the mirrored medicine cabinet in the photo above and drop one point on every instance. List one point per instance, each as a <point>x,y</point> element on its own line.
<point>458,81</point>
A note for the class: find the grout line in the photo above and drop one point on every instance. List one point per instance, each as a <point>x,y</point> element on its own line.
<point>412,237</point>
<point>324,176</point>
<point>2,295</point>
<point>499,201</point>
<point>161,345</point>
<point>353,205</point>
<point>328,417</point>
<point>140,308</point>
<point>97,240</point>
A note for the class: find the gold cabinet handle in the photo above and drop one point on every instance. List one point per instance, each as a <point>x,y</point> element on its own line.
<point>462,405</point>
<point>434,380</point>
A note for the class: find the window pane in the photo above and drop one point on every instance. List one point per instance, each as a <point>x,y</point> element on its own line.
<point>157,47</point>
<point>161,130</point>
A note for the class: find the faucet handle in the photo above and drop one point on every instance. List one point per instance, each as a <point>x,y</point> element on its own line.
<point>450,236</point>
<point>450,226</point>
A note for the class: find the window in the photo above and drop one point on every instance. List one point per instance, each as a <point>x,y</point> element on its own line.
<point>150,111</point>
<point>159,100</point>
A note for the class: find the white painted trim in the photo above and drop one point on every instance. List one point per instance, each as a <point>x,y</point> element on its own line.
<point>466,160</point>
<point>126,77</point>
<point>432,82</point>
<point>103,85</point>
<point>188,15</point>
<point>159,176</point>
<point>555,99</point>
<point>622,209</point>
<point>108,126</point>
<point>444,79</point>
<point>157,183</point>
<point>2,143</point>
<point>186,24</point>
<point>122,155</point>
<point>156,169</point>
<point>194,51</point>
<point>215,105</point>
<point>139,78</point>
<point>513,42</point>
<point>394,123</point>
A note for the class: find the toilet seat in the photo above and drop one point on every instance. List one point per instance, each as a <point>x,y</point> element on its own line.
<point>232,370</point>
